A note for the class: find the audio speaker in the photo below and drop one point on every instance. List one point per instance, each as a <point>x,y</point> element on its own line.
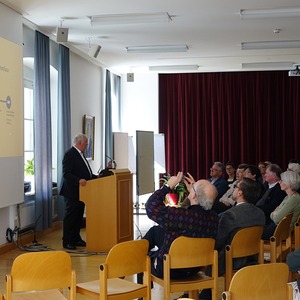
<point>94,51</point>
<point>130,77</point>
<point>62,34</point>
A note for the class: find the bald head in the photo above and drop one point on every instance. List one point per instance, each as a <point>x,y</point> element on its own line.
<point>205,193</point>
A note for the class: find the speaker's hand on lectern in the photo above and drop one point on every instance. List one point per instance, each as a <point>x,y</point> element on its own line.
<point>82,182</point>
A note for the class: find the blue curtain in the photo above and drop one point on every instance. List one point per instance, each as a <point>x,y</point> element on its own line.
<point>42,133</point>
<point>108,136</point>
<point>63,117</point>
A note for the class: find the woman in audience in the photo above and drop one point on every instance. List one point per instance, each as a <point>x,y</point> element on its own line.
<point>230,171</point>
<point>254,173</point>
<point>290,183</point>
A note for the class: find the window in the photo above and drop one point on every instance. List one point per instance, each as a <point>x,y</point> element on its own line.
<point>28,134</point>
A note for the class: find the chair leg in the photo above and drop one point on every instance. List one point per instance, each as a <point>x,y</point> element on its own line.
<point>194,294</point>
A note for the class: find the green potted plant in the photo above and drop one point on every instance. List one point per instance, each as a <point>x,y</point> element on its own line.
<point>177,195</point>
<point>29,167</point>
<point>29,172</point>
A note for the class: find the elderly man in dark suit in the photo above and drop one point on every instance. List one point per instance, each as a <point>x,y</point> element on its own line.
<point>221,184</point>
<point>243,214</point>
<point>76,172</point>
<point>273,195</point>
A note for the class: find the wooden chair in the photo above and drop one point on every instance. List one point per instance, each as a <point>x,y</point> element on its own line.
<point>280,243</point>
<point>263,281</point>
<point>186,252</point>
<point>41,275</point>
<point>296,234</point>
<point>124,259</point>
<point>246,242</point>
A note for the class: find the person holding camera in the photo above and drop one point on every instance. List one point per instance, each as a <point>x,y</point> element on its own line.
<point>197,220</point>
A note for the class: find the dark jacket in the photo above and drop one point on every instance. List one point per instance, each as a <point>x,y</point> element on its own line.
<point>270,200</point>
<point>74,169</point>
<point>232,220</point>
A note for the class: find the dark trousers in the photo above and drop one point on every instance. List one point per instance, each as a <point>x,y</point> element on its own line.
<point>268,231</point>
<point>155,236</point>
<point>72,221</point>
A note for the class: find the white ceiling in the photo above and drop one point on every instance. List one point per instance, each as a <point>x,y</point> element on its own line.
<point>212,30</point>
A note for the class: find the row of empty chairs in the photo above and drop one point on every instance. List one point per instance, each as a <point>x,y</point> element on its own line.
<point>129,258</point>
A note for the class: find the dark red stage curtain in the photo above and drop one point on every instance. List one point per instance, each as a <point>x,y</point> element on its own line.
<point>240,116</point>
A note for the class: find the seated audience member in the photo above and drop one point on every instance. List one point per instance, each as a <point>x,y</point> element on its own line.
<point>294,167</point>
<point>293,261</point>
<point>262,165</point>
<point>253,173</point>
<point>218,180</point>
<point>243,214</point>
<point>226,199</point>
<point>273,195</point>
<point>230,171</point>
<point>198,220</point>
<point>290,183</point>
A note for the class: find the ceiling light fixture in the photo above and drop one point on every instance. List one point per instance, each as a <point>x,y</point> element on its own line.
<point>268,65</point>
<point>270,45</point>
<point>131,18</point>
<point>157,49</point>
<point>269,13</point>
<point>174,68</point>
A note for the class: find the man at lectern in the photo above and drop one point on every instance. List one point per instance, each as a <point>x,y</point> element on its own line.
<point>76,172</point>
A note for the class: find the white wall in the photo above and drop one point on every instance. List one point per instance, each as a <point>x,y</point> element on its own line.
<point>87,92</point>
<point>139,103</point>
<point>139,111</point>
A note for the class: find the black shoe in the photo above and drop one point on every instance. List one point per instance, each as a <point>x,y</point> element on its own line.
<point>81,243</point>
<point>205,294</point>
<point>69,246</point>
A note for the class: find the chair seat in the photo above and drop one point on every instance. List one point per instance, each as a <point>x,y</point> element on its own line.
<point>188,281</point>
<point>39,295</point>
<point>115,286</point>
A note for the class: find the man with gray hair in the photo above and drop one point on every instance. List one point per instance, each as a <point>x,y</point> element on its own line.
<point>76,172</point>
<point>273,196</point>
<point>197,220</point>
<point>221,184</point>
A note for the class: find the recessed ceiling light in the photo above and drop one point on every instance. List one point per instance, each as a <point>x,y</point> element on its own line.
<point>174,68</point>
<point>157,49</point>
<point>270,13</point>
<point>270,45</point>
<point>131,18</point>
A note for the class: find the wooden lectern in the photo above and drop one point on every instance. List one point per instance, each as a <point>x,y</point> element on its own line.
<point>109,210</point>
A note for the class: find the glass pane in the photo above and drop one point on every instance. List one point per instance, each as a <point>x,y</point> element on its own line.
<point>28,135</point>
<point>28,103</point>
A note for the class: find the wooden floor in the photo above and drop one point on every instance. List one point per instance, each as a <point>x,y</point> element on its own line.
<point>85,264</point>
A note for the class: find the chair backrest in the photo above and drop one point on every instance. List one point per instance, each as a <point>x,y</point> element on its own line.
<point>41,271</point>
<point>124,259</point>
<point>296,234</point>
<point>127,258</point>
<point>281,234</point>
<point>186,252</point>
<point>246,242</point>
<point>263,281</point>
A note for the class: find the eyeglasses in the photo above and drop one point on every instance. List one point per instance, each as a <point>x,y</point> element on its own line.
<point>215,170</point>
<point>236,186</point>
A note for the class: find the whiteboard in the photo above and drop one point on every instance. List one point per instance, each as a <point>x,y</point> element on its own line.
<point>145,162</point>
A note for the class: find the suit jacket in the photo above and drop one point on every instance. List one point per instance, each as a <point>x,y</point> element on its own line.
<point>221,185</point>
<point>240,216</point>
<point>270,200</point>
<point>74,169</point>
